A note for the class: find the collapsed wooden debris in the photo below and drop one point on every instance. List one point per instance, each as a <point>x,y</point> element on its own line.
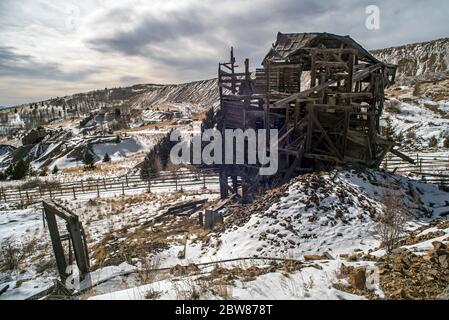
<point>186,208</point>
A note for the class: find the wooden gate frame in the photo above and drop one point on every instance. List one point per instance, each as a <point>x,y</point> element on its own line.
<point>75,234</point>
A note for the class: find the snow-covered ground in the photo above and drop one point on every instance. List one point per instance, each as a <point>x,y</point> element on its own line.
<point>328,214</point>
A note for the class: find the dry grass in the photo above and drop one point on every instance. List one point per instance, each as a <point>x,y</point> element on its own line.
<point>12,254</point>
<point>190,289</point>
<point>148,270</point>
<point>152,294</point>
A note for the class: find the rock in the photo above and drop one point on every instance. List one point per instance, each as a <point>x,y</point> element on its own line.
<point>311,257</point>
<point>353,257</point>
<point>328,256</point>
<point>439,247</point>
<point>443,260</point>
<point>400,293</point>
<point>357,279</point>
<point>444,295</point>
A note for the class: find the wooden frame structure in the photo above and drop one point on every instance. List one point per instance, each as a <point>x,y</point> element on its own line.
<point>75,236</point>
<point>325,95</point>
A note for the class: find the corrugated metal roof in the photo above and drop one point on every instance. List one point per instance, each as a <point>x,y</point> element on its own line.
<point>289,43</point>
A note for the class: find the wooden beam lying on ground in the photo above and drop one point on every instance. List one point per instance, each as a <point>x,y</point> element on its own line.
<point>402,156</point>
<point>188,206</point>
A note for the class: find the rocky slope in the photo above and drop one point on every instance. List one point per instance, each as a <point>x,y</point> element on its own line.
<point>423,61</point>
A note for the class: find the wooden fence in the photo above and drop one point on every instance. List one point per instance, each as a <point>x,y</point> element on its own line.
<point>428,168</point>
<point>171,181</point>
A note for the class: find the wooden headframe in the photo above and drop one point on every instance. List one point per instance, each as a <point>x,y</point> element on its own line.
<point>331,121</point>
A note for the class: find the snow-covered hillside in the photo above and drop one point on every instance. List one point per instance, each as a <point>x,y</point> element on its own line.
<point>187,98</point>
<point>424,61</point>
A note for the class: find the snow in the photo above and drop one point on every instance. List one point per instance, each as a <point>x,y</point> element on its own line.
<point>309,283</point>
<point>323,234</point>
<point>117,151</point>
<point>19,223</point>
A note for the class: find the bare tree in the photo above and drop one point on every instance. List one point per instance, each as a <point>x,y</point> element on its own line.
<point>392,221</point>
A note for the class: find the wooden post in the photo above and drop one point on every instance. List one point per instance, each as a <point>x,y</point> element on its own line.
<point>123,189</point>
<point>200,218</point>
<point>82,186</point>
<point>78,246</point>
<point>176,181</point>
<point>126,178</point>
<point>204,180</point>
<point>74,194</point>
<point>56,242</point>
<point>77,238</point>
<point>98,191</point>
<point>149,182</point>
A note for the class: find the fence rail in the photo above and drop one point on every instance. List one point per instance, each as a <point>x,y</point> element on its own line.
<point>110,186</point>
<point>427,168</point>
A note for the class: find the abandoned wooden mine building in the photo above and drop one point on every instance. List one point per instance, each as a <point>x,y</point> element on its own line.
<point>325,95</point>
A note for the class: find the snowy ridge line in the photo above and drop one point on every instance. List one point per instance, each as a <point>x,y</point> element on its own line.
<point>96,187</point>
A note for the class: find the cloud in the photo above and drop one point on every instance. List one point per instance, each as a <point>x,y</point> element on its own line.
<point>105,43</point>
<point>25,66</point>
<point>152,30</point>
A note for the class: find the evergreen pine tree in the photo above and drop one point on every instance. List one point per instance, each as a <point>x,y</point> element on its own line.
<point>18,170</point>
<point>88,160</point>
<point>106,158</point>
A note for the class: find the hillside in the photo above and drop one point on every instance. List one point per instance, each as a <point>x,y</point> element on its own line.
<point>190,97</point>
<point>418,61</point>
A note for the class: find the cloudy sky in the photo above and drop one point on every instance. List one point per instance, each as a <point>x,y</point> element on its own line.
<point>53,48</point>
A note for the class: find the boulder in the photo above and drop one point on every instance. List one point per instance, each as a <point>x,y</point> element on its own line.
<point>443,295</point>
<point>357,279</point>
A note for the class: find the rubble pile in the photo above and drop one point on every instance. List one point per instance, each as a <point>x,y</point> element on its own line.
<point>405,275</point>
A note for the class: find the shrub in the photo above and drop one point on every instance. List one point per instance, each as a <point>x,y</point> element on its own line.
<point>399,137</point>
<point>433,142</point>
<point>9,257</point>
<point>392,221</point>
<point>55,170</point>
<point>44,172</point>
<point>410,135</point>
